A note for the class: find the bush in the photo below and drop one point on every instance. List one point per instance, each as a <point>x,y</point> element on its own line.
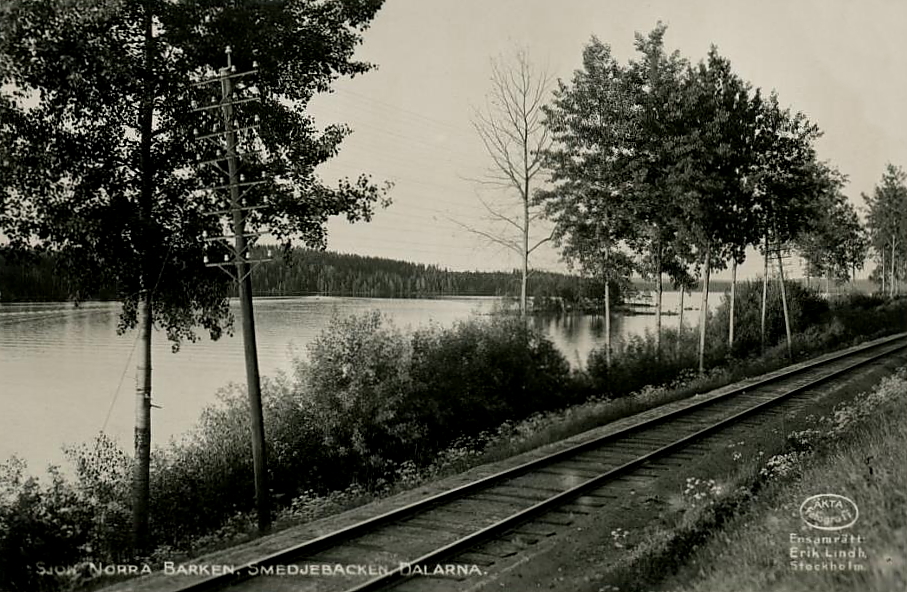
<point>478,374</point>
<point>636,363</point>
<point>367,401</point>
<point>805,309</point>
<point>39,523</point>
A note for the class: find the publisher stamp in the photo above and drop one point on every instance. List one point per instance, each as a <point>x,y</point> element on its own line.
<point>827,548</point>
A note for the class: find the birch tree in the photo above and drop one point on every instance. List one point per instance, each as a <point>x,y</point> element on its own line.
<point>589,121</point>
<point>511,130</point>
<point>887,223</point>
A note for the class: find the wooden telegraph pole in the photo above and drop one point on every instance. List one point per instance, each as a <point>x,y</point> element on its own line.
<point>226,136</point>
<point>786,255</point>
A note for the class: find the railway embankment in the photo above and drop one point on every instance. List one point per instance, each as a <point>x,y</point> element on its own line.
<point>651,517</point>
<point>814,501</point>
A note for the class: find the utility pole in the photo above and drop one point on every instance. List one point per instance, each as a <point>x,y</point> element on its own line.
<point>225,136</point>
<point>790,352</point>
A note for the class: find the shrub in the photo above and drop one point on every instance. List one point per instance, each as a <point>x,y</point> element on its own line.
<point>39,523</point>
<point>636,363</point>
<point>356,380</point>
<point>805,309</point>
<point>478,374</point>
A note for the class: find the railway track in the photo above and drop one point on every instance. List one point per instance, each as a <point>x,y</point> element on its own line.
<point>459,533</point>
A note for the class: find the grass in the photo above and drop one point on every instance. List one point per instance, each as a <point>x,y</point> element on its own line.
<point>861,452</point>
<point>732,526</point>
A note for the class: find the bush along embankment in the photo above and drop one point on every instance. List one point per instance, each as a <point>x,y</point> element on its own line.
<point>372,409</point>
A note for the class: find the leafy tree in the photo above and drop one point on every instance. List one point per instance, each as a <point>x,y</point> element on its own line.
<point>887,223</point>
<point>835,243</point>
<point>718,216</point>
<point>98,152</point>
<point>589,121</point>
<point>786,181</point>
<point>655,82</point>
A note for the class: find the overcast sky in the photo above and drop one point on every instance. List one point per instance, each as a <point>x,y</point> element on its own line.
<point>840,62</point>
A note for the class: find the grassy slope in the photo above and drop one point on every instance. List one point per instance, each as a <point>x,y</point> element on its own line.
<point>863,455</point>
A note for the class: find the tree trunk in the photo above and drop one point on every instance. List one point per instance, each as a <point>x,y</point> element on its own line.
<point>141,467</point>
<point>142,461</point>
<point>525,278</point>
<point>884,290</point>
<point>658,296</point>
<point>607,274</point>
<point>704,308</point>
<point>893,283</point>
<point>764,295</point>
<point>730,330</point>
<point>680,324</point>
<point>790,352</point>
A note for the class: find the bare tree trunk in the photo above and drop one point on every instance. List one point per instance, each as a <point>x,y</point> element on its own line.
<point>893,283</point>
<point>658,296</point>
<point>764,294</point>
<point>704,308</point>
<point>730,331</point>
<point>142,461</point>
<point>808,269</point>
<point>884,287</point>
<point>680,324</point>
<point>525,254</point>
<point>141,467</point>
<point>607,307</point>
<point>790,352</point>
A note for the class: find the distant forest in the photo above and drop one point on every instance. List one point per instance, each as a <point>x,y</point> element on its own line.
<point>305,272</point>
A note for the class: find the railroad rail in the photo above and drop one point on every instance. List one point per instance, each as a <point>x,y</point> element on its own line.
<point>526,500</point>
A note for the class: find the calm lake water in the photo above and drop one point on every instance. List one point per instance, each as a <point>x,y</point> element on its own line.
<point>65,374</point>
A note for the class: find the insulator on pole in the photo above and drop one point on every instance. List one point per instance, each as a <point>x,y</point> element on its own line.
<point>205,258</point>
<point>226,258</point>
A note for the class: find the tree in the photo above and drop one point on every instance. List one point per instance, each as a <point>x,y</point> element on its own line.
<point>511,130</point>
<point>834,244</point>
<point>589,124</point>
<point>786,181</point>
<point>98,152</point>
<point>655,86</point>
<point>715,154</point>
<point>887,223</point>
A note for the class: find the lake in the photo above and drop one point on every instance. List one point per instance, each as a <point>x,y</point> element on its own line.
<point>65,374</point>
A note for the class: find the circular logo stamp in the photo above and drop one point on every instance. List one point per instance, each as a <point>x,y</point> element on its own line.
<point>829,511</point>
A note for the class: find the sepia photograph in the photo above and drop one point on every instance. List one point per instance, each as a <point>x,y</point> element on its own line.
<point>453,295</point>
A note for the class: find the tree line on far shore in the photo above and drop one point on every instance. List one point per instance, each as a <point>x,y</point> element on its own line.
<point>35,277</point>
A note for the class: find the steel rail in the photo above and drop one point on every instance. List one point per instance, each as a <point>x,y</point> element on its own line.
<point>334,538</point>
<point>515,520</point>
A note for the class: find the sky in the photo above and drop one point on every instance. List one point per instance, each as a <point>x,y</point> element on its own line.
<point>840,62</point>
